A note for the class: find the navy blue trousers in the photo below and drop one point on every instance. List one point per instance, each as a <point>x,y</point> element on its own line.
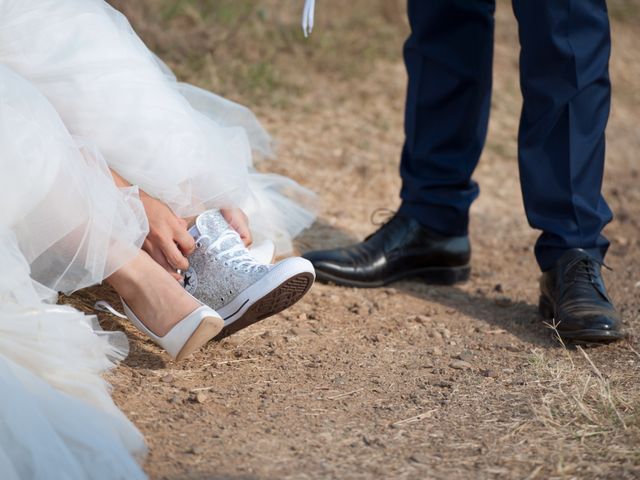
<point>564,78</point>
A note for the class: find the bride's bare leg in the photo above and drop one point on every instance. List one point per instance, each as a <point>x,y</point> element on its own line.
<point>152,293</point>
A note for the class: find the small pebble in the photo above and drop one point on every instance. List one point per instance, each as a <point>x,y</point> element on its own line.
<point>622,241</point>
<point>465,356</point>
<point>419,458</point>
<point>201,397</point>
<point>422,319</point>
<point>512,347</point>
<point>167,378</point>
<point>195,450</point>
<point>436,335</point>
<point>460,365</point>
<point>442,384</point>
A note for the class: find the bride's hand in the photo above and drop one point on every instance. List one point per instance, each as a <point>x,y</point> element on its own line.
<point>169,242</point>
<point>238,220</point>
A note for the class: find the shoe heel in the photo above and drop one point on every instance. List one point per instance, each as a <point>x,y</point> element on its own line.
<point>545,308</point>
<point>446,276</point>
<point>188,335</point>
<point>207,330</point>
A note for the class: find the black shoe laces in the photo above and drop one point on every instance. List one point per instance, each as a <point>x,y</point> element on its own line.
<point>381,216</point>
<point>584,270</point>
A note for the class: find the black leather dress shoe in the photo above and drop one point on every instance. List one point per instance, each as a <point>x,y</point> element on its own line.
<point>401,248</point>
<point>573,295</point>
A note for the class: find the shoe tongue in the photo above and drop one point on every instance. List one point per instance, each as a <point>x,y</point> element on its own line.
<point>212,224</point>
<point>574,254</point>
<point>194,232</point>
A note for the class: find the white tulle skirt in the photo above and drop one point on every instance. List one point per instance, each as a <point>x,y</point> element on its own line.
<point>188,147</point>
<point>79,94</point>
<point>63,225</point>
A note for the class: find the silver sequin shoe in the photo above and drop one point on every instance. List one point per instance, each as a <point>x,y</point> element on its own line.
<point>226,277</point>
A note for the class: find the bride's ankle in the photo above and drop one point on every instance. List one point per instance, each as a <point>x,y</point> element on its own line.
<point>128,278</point>
<point>152,294</point>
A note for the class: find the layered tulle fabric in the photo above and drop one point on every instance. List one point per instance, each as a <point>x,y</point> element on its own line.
<point>73,226</point>
<point>183,145</point>
<point>63,225</point>
<point>79,94</point>
<point>57,419</point>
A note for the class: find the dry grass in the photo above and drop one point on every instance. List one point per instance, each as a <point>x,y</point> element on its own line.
<point>581,409</point>
<point>255,50</point>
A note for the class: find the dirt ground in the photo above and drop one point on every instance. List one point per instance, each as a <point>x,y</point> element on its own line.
<point>411,381</point>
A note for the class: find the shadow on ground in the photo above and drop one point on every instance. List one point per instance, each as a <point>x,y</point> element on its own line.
<point>519,318</point>
<point>323,235</point>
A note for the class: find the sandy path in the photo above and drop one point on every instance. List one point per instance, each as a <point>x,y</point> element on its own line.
<point>410,381</point>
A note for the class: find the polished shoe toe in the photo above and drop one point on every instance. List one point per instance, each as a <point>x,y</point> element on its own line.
<point>574,300</point>
<point>400,249</point>
<point>327,258</point>
<point>601,327</point>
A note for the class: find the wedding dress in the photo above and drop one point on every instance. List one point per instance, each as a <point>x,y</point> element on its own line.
<point>63,226</point>
<point>79,94</point>
<point>188,147</point>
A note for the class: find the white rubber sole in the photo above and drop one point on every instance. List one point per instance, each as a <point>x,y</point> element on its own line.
<point>284,285</point>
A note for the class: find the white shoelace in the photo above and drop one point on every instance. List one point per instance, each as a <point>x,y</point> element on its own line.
<point>307,17</point>
<point>236,254</point>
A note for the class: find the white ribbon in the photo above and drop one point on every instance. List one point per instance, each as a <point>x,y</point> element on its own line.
<point>103,306</point>
<point>307,17</point>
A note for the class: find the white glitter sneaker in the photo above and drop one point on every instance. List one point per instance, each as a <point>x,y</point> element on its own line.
<point>225,276</point>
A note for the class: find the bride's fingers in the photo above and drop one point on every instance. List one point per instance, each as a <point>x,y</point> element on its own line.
<point>174,256</point>
<point>238,220</point>
<point>242,227</point>
<point>247,238</point>
<point>244,232</point>
<point>185,242</point>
